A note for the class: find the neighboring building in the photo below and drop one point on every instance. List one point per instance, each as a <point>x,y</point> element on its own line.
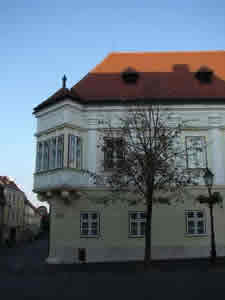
<point>32,218</point>
<point>12,210</point>
<point>192,84</point>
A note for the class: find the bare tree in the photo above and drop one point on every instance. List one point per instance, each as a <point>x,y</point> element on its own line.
<point>144,159</point>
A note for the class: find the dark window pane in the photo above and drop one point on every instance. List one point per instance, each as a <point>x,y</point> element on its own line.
<point>190,214</point>
<point>191,230</point>
<point>191,224</point>
<point>142,228</point>
<point>201,227</point>
<point>134,228</point>
<point>200,214</point>
<point>191,227</point>
<point>94,216</point>
<point>85,224</point>
<point>60,151</point>
<point>133,216</point>
<point>84,216</point>
<point>94,224</point>
<point>142,215</point>
<point>108,153</point>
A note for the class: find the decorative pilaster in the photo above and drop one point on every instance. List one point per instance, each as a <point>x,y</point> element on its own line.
<point>174,120</point>
<point>216,147</point>
<point>92,145</point>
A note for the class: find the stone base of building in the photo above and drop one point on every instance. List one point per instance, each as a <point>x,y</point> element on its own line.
<point>117,254</point>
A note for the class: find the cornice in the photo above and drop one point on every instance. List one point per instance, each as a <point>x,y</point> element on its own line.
<point>59,127</point>
<point>59,106</point>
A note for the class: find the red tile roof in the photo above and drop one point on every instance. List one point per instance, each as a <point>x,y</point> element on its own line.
<point>6,181</point>
<point>58,96</point>
<point>167,75</point>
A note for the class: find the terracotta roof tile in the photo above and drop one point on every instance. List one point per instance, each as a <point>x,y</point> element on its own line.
<point>167,75</point>
<point>162,61</point>
<point>162,75</point>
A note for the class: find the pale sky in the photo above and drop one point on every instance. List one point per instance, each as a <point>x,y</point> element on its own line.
<point>42,40</point>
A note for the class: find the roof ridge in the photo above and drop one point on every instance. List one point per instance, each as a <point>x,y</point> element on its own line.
<point>159,52</point>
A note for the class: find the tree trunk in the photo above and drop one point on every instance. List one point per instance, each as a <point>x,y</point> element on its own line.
<point>148,233</point>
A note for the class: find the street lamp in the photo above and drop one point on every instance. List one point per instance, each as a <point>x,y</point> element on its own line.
<point>208,179</point>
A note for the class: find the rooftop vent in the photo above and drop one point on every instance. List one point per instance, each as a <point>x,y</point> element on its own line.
<point>204,75</point>
<point>130,75</point>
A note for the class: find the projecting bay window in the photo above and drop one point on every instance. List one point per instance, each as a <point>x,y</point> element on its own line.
<point>53,148</point>
<point>195,152</point>
<point>39,156</point>
<point>75,152</point>
<point>46,155</point>
<point>50,154</point>
<point>60,151</point>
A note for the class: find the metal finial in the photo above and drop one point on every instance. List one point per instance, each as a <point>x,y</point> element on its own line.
<point>64,79</point>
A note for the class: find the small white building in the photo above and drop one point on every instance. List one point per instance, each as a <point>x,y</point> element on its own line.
<point>192,85</point>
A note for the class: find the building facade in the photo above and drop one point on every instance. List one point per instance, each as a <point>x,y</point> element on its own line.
<point>192,86</point>
<point>12,211</point>
<point>32,218</point>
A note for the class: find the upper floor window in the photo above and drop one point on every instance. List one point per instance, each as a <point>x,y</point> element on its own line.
<point>195,222</point>
<point>50,153</point>
<point>113,152</point>
<point>60,151</point>
<point>195,152</point>
<point>137,222</point>
<point>89,224</point>
<point>46,154</point>
<point>75,152</point>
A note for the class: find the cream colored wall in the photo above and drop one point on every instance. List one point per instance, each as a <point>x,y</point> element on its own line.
<point>168,222</point>
<point>14,210</point>
<point>169,236</point>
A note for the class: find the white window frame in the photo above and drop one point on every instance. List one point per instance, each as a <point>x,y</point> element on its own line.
<point>89,220</point>
<point>53,162</point>
<point>39,159</point>
<point>193,157</point>
<point>44,160</point>
<point>60,155</point>
<point>195,219</point>
<point>137,221</point>
<point>75,151</point>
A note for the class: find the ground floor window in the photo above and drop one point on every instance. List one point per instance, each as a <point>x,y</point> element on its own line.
<point>137,222</point>
<point>195,222</point>
<point>89,224</point>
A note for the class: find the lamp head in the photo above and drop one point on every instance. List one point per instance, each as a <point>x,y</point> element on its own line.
<point>208,178</point>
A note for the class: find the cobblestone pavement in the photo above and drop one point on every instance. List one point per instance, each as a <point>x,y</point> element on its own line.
<point>24,275</point>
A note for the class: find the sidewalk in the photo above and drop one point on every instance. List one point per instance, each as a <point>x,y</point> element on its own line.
<point>191,265</point>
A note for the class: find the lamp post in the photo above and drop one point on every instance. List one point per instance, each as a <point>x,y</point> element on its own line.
<point>208,179</point>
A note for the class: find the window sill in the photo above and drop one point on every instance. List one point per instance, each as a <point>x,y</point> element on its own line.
<point>56,169</point>
<point>196,235</point>
<point>90,236</point>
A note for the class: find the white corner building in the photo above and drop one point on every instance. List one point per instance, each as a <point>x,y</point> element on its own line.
<point>192,84</point>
